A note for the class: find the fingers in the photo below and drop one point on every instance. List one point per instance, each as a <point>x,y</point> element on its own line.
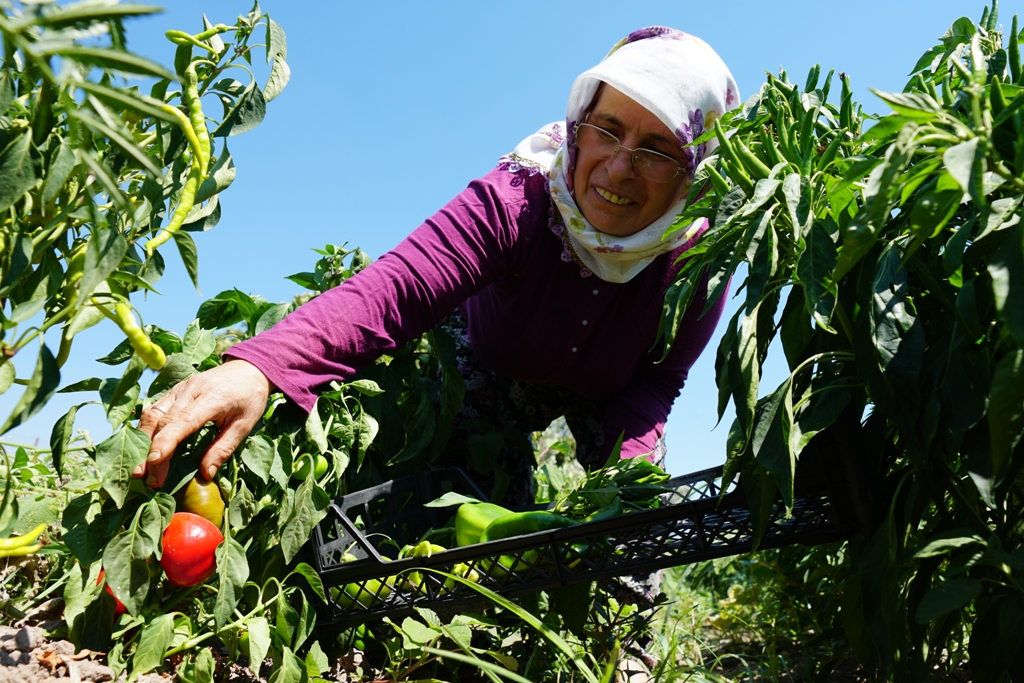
<point>226,443</point>
<point>157,473</point>
<point>233,396</point>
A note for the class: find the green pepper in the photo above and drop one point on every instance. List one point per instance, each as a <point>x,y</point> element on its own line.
<point>25,544</point>
<point>522,523</point>
<point>413,581</point>
<point>365,595</point>
<point>124,318</point>
<point>1013,53</point>
<point>472,518</point>
<point>613,509</point>
<point>198,136</point>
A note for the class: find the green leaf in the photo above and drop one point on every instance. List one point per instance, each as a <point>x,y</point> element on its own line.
<point>258,456</point>
<point>178,369</point>
<point>233,570</point>
<point>316,660</point>
<point>496,671</point>
<point>310,507</point>
<point>117,456</point>
<point>154,640</point>
<point>61,435</point>
<point>105,175</point>
<point>1000,215</point>
<point>762,258</point>
<point>745,371</point>
<point>84,529</point>
<point>62,163</point>
<point>248,112</point>
<point>189,255</point>
<point>932,210</point>
<point>198,343</point>
<point>948,541</point>
<point>1006,267</point>
<point>764,190</point>
<point>20,168</point>
<point>271,317</point>
<point>770,441</point>
<point>119,410</point>
<point>41,386</point>
<point>85,14</point>
<point>417,420</point>
<point>315,430</point>
<point>129,380</point>
<point>450,499</point>
<point>106,58</point>
<point>259,639</point>
<point>126,558</point>
<point>106,249</point>
<point>205,667</point>
<point>117,140</point>
<point>80,591</point>
<point>415,634</point>
<point>7,374</point>
<point>1006,409</point>
<point>366,387</point>
<point>221,176</point>
<point>290,669</point>
<point>277,41</point>
<point>898,342</point>
<point>947,596</point>
<point>966,163</point>
<point>312,578</point>
<point>282,457</point>
<point>818,414</point>
<point>798,200</point>
<point>280,74</point>
<point>121,98</point>
<point>860,236</point>
<point>228,308</point>
<point>572,603</point>
<point>914,106</point>
<point>814,272</point>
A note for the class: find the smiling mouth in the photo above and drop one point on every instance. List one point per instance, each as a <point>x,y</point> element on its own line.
<point>612,197</point>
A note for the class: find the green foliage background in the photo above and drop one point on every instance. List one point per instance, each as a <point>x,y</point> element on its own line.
<point>889,260</point>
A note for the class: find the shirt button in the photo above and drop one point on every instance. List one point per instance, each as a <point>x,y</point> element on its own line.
<point>574,349</point>
<point>595,292</point>
<point>584,322</point>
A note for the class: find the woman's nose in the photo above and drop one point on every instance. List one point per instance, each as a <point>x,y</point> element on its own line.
<point>621,164</point>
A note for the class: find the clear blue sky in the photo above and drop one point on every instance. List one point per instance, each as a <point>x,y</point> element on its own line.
<point>393,107</point>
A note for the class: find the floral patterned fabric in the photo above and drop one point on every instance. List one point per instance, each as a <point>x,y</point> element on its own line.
<point>679,79</point>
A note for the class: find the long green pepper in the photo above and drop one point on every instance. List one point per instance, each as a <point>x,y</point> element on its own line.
<point>1013,53</point>
<point>735,166</point>
<point>198,136</point>
<point>755,167</point>
<point>768,145</point>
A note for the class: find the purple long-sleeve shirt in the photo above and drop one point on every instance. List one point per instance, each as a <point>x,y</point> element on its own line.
<point>531,315</point>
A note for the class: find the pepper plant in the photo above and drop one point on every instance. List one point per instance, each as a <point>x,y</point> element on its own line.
<point>887,255</point>
<point>92,169</point>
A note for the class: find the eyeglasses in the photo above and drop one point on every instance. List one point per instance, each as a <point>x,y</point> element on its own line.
<point>600,144</point>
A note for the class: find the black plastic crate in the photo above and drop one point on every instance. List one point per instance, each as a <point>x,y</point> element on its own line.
<point>693,524</point>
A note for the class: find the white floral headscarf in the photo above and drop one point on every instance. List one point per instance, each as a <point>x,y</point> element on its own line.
<point>679,79</point>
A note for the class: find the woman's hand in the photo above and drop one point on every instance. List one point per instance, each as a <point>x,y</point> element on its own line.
<point>233,396</point>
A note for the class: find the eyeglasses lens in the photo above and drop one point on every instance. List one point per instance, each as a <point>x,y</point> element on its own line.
<point>600,144</point>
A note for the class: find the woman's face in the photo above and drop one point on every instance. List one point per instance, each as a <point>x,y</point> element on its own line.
<point>613,197</point>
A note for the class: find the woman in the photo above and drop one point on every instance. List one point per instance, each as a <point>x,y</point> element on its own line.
<point>555,265</point>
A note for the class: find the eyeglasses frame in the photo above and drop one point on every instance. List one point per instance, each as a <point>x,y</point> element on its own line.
<point>633,152</point>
